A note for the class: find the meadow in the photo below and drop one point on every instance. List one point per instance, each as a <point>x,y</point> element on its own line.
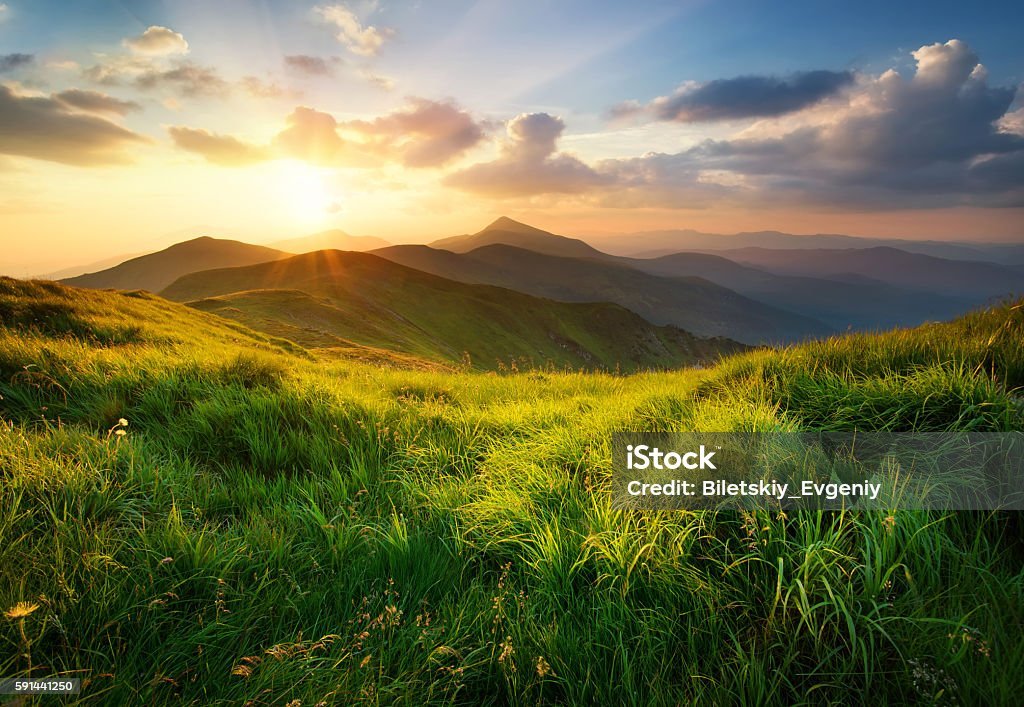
<point>193,512</point>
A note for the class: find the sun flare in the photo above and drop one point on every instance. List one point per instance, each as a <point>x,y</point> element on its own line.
<point>304,191</point>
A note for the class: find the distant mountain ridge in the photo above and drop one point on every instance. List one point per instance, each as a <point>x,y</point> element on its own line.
<point>651,244</point>
<point>334,239</point>
<point>334,299</point>
<point>694,304</point>
<point>156,271</point>
<point>506,231</point>
<point>914,271</point>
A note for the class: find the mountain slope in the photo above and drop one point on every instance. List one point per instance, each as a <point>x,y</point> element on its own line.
<point>75,271</point>
<point>156,271</point>
<point>333,299</point>
<point>650,244</point>
<point>889,265</point>
<point>334,239</point>
<point>693,304</point>
<point>508,232</point>
<point>861,303</point>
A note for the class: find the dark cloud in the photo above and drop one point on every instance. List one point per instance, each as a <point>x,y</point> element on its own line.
<point>96,102</point>
<point>940,137</point>
<point>312,65</point>
<point>423,134</point>
<point>748,97</point>
<point>43,128</point>
<point>10,62</point>
<point>186,78</point>
<point>219,149</point>
<point>528,163</point>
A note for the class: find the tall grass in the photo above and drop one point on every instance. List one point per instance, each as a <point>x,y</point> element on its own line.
<point>269,529</point>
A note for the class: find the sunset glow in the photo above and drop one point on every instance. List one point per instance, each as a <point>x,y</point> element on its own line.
<point>409,121</point>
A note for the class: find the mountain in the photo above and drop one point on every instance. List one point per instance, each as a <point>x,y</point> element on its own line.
<point>156,271</point>
<point>650,244</point>
<point>889,265</point>
<point>508,232</point>
<point>335,300</point>
<point>692,303</point>
<point>853,301</point>
<point>75,271</point>
<point>334,239</point>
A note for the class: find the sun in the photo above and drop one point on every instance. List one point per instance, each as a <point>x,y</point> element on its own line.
<point>304,191</point>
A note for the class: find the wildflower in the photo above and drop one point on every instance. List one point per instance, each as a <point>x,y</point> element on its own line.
<point>20,610</point>
<point>507,651</point>
<point>543,668</point>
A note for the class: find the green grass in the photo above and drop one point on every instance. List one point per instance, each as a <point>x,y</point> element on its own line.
<point>341,302</point>
<point>270,527</point>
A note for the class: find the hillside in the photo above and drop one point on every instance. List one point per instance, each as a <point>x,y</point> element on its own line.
<point>332,299</point>
<point>505,231</point>
<point>96,266</point>
<point>651,244</point>
<point>693,304</point>
<point>864,304</point>
<point>326,530</point>
<point>889,265</point>
<point>334,239</point>
<point>155,271</point>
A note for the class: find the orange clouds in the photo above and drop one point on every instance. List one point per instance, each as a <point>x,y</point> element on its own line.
<point>422,134</point>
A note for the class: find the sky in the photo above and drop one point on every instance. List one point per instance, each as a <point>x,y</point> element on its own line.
<point>125,126</point>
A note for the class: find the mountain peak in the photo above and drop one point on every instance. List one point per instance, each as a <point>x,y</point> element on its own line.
<point>504,223</point>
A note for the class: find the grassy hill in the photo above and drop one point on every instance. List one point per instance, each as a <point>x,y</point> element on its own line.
<point>691,303</point>
<point>334,299</point>
<point>194,512</point>
<point>155,271</point>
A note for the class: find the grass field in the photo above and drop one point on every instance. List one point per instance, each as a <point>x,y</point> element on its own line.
<point>194,512</point>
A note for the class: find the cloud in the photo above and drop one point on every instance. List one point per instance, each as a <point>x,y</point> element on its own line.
<point>742,97</point>
<point>260,88</point>
<point>933,139</point>
<point>364,41</point>
<point>311,65</point>
<point>10,62</point>
<point>95,102</point>
<point>218,149</point>
<point>1013,122</point>
<point>44,128</point>
<point>385,83</point>
<point>312,136</point>
<point>63,65</point>
<point>185,77</point>
<point>157,41</point>
<point>528,163</point>
<point>4,11</point>
<point>423,134</point>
